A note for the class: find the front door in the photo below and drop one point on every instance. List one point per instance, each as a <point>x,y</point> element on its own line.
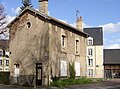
<point>38,73</point>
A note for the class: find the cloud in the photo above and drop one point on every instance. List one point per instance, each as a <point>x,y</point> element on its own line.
<point>73,24</point>
<point>113,46</point>
<point>65,21</point>
<point>10,18</point>
<point>84,25</point>
<point>15,10</point>
<point>111,27</point>
<point>117,40</point>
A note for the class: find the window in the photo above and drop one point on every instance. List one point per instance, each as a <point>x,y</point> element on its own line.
<point>7,62</point>
<point>1,53</point>
<point>90,52</point>
<point>63,40</point>
<point>77,69</point>
<point>16,70</point>
<point>77,46</point>
<point>90,72</point>
<point>90,62</point>
<point>89,41</point>
<point>28,24</point>
<point>63,68</point>
<point>7,54</point>
<point>0,62</point>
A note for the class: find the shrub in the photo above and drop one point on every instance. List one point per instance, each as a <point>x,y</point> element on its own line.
<point>5,77</point>
<point>72,71</point>
<point>71,81</point>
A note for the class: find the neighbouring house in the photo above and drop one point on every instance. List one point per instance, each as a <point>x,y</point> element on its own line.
<point>42,47</point>
<point>95,68</point>
<point>4,55</point>
<point>112,63</point>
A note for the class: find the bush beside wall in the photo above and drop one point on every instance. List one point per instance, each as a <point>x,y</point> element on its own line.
<point>4,77</point>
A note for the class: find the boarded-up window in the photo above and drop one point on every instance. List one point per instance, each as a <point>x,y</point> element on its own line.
<point>77,69</point>
<point>63,68</point>
<point>16,70</point>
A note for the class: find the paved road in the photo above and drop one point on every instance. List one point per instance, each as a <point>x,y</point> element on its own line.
<point>109,84</point>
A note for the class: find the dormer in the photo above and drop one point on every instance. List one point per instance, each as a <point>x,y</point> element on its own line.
<point>89,41</point>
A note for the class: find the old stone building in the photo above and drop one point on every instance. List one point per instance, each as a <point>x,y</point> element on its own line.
<point>43,47</point>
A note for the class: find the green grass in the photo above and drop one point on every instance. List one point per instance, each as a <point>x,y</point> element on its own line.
<point>66,82</point>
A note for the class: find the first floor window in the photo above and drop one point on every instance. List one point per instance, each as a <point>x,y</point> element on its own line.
<point>63,68</point>
<point>77,46</point>
<point>63,40</point>
<point>90,62</point>
<point>7,62</point>
<point>90,72</point>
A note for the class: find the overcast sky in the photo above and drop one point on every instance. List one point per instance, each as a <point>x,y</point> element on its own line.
<point>104,13</point>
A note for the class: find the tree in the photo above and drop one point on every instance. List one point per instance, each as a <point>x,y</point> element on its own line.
<point>26,3</point>
<point>3,21</point>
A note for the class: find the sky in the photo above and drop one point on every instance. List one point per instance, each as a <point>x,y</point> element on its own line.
<point>95,13</point>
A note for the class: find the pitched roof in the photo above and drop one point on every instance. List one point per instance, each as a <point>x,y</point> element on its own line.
<point>38,13</point>
<point>111,56</point>
<point>96,34</point>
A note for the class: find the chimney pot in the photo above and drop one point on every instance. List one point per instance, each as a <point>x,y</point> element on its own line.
<point>43,6</point>
<point>79,23</point>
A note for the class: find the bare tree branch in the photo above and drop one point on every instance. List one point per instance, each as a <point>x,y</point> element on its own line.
<point>3,21</point>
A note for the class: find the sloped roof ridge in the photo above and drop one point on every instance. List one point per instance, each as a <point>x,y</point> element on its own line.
<point>46,17</point>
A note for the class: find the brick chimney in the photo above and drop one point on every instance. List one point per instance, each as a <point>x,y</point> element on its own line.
<point>79,23</point>
<point>43,6</point>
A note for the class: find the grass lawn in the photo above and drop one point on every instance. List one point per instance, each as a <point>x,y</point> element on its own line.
<point>66,82</point>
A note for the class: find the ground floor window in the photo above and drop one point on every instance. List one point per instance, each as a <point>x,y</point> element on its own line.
<point>16,72</point>
<point>63,68</point>
<point>77,69</point>
<point>90,72</point>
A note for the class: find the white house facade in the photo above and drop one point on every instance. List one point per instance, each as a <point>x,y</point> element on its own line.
<point>94,56</point>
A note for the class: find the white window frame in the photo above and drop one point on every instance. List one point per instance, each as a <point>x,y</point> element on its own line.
<point>90,72</point>
<point>90,51</point>
<point>7,62</point>
<point>63,68</point>
<point>89,41</point>
<point>90,62</point>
